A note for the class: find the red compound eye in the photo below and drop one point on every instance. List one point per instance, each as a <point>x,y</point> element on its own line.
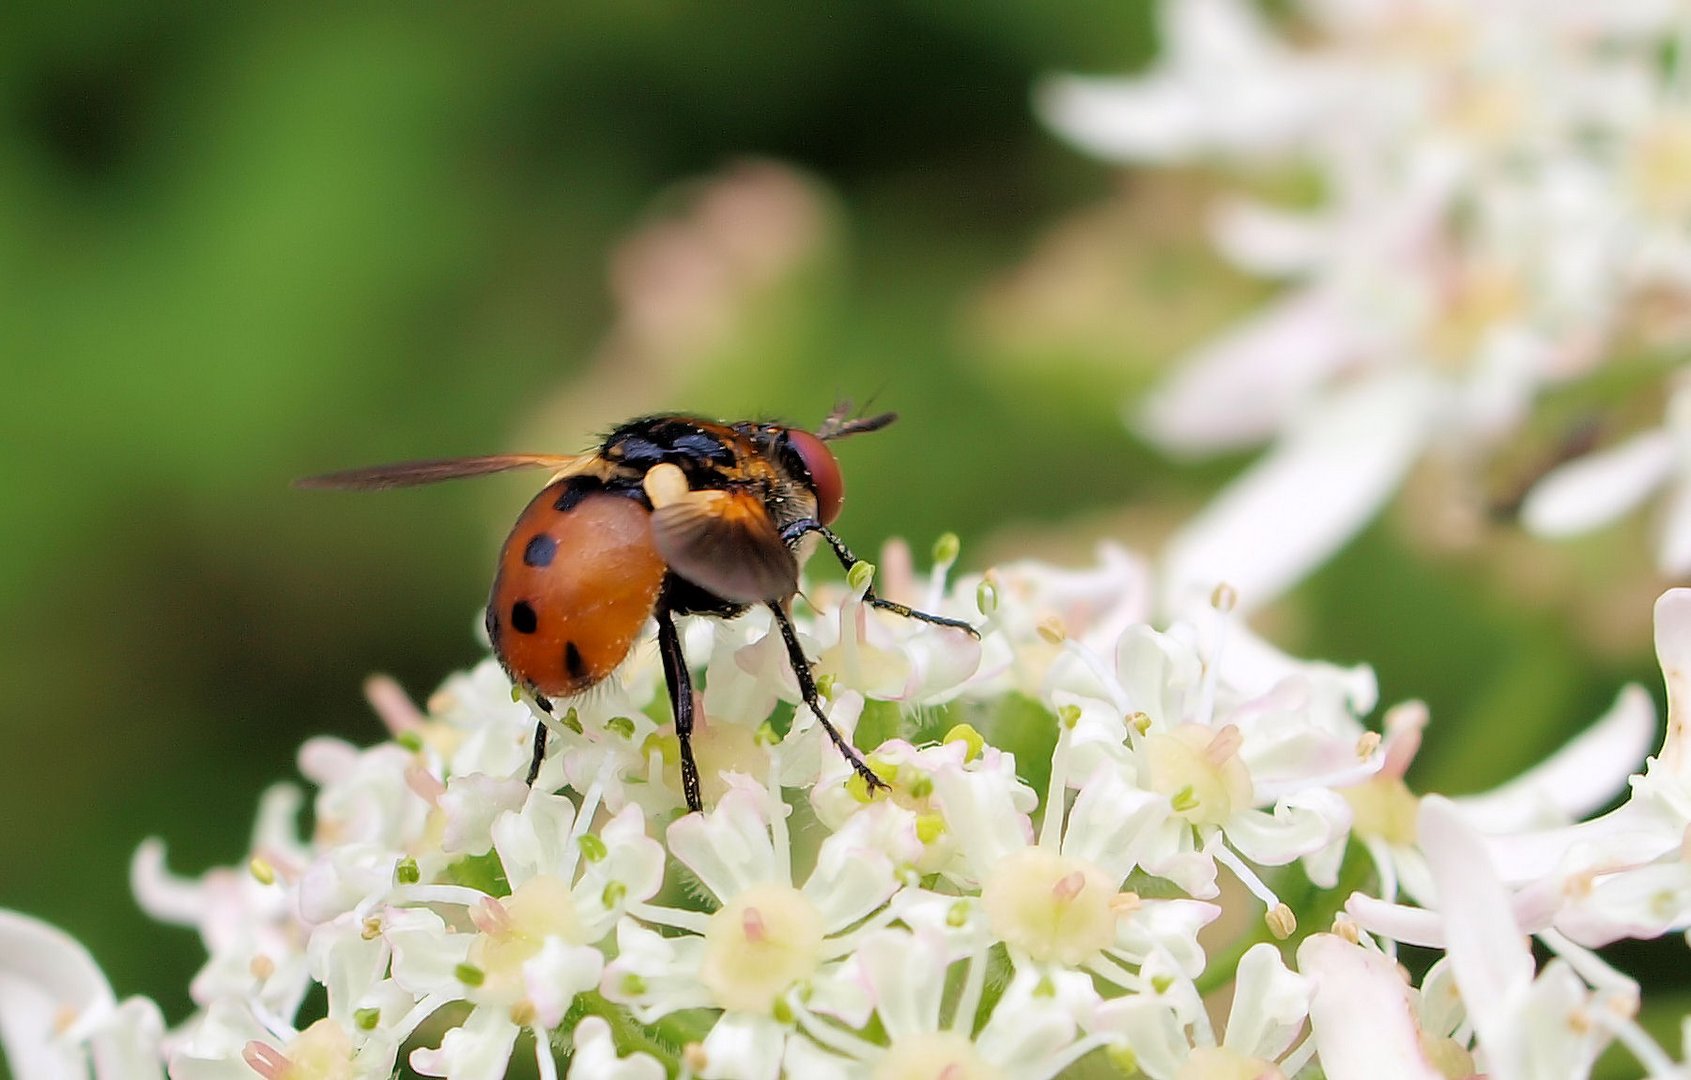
<point>824,473</point>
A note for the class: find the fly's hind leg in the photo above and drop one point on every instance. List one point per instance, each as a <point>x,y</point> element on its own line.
<point>807,690</point>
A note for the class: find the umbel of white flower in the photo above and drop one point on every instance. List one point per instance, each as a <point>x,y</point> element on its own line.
<point>1091,823</point>
<point>1504,211</point>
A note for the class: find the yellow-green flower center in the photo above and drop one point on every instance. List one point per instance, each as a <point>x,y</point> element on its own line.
<point>933,1055</point>
<point>1199,770</point>
<point>320,1052</point>
<point>1216,1063</point>
<point>1051,907</point>
<point>1382,807</point>
<point>513,931</point>
<point>759,944</point>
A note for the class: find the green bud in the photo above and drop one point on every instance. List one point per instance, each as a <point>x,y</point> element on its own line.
<point>860,576</point>
<point>407,872</point>
<point>592,848</point>
<point>367,1019</point>
<point>622,725</point>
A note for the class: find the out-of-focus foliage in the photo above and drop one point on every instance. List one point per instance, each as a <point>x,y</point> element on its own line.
<point>242,244</point>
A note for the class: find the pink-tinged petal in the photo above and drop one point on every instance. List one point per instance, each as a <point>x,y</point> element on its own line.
<point>1594,490</point>
<point>1361,1013</point>
<point>1488,952</point>
<point>1673,650</point>
<point>1249,385</point>
<point>1306,498</point>
<point>51,995</point>
<point>1581,777</point>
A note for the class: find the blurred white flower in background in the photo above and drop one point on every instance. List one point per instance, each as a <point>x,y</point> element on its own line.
<point>1492,204</point>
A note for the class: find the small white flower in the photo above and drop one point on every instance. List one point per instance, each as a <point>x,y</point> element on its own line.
<point>58,1017</point>
<point>767,940</point>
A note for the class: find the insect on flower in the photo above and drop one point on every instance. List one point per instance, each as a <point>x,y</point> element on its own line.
<point>671,515</point>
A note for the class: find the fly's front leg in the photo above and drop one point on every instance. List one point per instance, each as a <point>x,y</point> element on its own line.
<point>792,533</point>
<point>807,690</point>
<point>681,702</point>
<point>545,706</point>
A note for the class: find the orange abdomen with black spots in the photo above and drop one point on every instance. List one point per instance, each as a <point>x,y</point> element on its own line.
<point>578,578</point>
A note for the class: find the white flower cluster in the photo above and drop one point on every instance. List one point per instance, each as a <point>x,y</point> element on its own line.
<point>1474,204</point>
<point>1178,802</point>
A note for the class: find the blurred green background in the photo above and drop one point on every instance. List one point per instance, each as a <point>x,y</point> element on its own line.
<point>241,244</point>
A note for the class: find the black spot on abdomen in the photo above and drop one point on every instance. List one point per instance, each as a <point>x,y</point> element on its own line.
<point>573,662</point>
<point>540,551</point>
<point>523,619</point>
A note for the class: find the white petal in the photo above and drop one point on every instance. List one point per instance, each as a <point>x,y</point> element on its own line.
<point>1301,824</point>
<point>1169,927</point>
<point>425,957</point>
<point>1488,953</point>
<point>1641,903</point>
<point>1152,1029</point>
<point>470,804</point>
<point>478,1050</point>
<point>1269,240</point>
<point>1034,1024</point>
<point>729,847</point>
<point>536,840</point>
<point>556,974</point>
<point>1673,549</point>
<point>1305,499</point>
<point>1578,779</point>
<point>1360,1013</point>
<point>1110,823</point>
<point>1598,488</point>
<point>50,988</point>
<point>1555,1039</point>
<point>743,1047</point>
<point>1269,1005</point>
<point>851,878</point>
<point>595,1056</point>
<point>127,1046</point>
<point>1250,384</point>
<point>1673,650</point>
<point>906,974</point>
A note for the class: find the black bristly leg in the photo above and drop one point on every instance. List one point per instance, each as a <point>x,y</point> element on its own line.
<point>681,703</point>
<point>545,706</point>
<point>807,690</point>
<point>792,533</point>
